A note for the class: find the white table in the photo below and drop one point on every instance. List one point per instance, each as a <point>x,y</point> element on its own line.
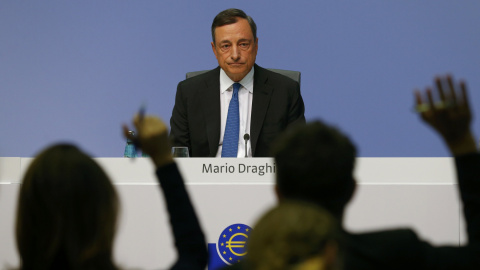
<point>415,192</point>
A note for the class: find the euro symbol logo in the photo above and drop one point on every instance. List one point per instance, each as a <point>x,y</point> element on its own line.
<point>232,243</point>
<point>237,244</point>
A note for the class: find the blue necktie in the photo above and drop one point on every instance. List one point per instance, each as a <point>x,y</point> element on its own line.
<point>232,129</point>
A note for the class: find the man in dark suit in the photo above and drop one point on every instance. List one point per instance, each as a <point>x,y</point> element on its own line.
<point>267,102</point>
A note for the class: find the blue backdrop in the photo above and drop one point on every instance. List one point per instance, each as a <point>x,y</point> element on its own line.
<point>76,70</point>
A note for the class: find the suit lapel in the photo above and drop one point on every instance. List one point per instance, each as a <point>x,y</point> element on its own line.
<point>211,109</point>
<point>262,92</point>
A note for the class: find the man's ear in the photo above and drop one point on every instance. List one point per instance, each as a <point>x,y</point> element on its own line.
<point>213,49</point>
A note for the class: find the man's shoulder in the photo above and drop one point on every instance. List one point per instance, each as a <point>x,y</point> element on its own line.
<point>203,73</point>
<point>388,236</point>
<point>274,77</point>
<point>384,249</point>
<point>197,77</point>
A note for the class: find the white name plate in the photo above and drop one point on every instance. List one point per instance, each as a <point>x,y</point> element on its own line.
<point>228,170</point>
<point>255,170</point>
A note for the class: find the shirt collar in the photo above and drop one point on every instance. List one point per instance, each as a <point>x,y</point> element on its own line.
<point>226,82</point>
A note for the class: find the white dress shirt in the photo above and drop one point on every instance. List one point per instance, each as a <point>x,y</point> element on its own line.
<point>245,96</point>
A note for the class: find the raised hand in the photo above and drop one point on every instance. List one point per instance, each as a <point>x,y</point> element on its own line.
<point>450,116</point>
<point>152,138</point>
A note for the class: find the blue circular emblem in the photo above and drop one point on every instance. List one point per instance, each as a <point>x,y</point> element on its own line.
<point>231,246</point>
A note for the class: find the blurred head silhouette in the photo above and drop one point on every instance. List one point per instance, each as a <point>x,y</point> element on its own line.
<point>294,235</point>
<point>67,212</point>
<point>315,163</point>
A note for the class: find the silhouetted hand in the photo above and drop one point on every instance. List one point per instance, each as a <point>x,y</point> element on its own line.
<point>152,138</point>
<point>450,116</point>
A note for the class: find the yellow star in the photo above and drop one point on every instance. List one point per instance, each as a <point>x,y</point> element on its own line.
<point>224,252</point>
<point>230,258</point>
<point>222,244</point>
<point>230,229</point>
<point>224,236</point>
<point>246,230</point>
<point>238,227</point>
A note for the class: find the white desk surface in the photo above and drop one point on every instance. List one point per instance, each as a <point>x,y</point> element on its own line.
<point>419,193</point>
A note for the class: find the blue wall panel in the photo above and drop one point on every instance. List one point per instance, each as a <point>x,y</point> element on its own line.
<point>76,70</point>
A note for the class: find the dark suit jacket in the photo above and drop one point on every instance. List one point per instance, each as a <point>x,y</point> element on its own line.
<point>402,249</point>
<point>195,122</point>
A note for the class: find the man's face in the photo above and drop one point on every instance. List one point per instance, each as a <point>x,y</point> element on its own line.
<point>235,49</point>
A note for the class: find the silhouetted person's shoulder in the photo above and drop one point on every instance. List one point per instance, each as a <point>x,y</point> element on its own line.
<point>383,250</point>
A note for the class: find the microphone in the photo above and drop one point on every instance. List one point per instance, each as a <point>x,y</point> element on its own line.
<point>246,137</point>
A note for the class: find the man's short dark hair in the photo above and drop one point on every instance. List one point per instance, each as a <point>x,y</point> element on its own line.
<point>315,162</point>
<point>230,16</point>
